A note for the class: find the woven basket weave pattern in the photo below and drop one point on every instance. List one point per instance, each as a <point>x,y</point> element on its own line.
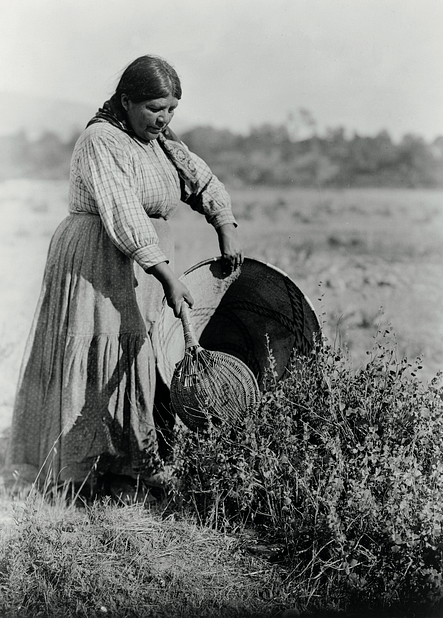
<point>210,386</point>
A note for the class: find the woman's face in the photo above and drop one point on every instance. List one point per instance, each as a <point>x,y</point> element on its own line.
<point>149,118</point>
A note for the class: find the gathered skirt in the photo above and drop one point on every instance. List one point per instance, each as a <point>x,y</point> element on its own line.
<point>85,396</point>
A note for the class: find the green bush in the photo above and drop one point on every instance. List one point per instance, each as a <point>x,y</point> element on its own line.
<point>343,469</point>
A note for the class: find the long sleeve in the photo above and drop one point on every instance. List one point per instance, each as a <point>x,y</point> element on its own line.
<point>211,199</point>
<point>109,174</point>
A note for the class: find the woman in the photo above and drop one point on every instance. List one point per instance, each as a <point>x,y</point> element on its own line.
<point>84,406</point>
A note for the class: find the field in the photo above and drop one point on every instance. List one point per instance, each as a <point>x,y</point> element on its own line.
<point>359,455</point>
<point>366,258</point>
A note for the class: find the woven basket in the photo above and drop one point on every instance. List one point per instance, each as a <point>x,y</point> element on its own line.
<point>210,386</point>
<point>240,314</point>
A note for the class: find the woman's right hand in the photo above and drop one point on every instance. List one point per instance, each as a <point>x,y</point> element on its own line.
<point>175,291</point>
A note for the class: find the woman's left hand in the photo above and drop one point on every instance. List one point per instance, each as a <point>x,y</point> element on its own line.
<point>230,248</point>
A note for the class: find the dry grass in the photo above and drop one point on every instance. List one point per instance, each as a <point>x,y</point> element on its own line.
<point>58,560</point>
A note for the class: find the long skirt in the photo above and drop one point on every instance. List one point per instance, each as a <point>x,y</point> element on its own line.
<point>84,403</point>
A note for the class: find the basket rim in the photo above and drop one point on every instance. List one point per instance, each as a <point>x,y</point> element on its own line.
<point>249,259</point>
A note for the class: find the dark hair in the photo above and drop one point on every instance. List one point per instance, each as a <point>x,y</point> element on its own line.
<point>148,78</point>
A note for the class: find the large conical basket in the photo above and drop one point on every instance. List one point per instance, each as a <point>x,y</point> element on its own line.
<point>252,313</point>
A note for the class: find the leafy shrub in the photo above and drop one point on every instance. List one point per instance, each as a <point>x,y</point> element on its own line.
<point>344,470</point>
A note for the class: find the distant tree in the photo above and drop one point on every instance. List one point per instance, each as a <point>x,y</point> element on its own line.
<point>300,125</point>
<point>308,119</point>
<point>265,137</point>
<point>207,142</point>
<point>417,161</point>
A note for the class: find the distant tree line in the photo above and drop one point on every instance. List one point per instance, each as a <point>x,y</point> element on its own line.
<point>267,155</point>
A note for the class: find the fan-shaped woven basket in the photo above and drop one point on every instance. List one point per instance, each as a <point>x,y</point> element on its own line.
<point>210,386</point>
<point>238,314</point>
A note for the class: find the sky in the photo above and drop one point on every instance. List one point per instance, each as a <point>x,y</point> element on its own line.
<point>366,65</point>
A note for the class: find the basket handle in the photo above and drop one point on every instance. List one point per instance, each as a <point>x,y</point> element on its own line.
<point>188,329</point>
